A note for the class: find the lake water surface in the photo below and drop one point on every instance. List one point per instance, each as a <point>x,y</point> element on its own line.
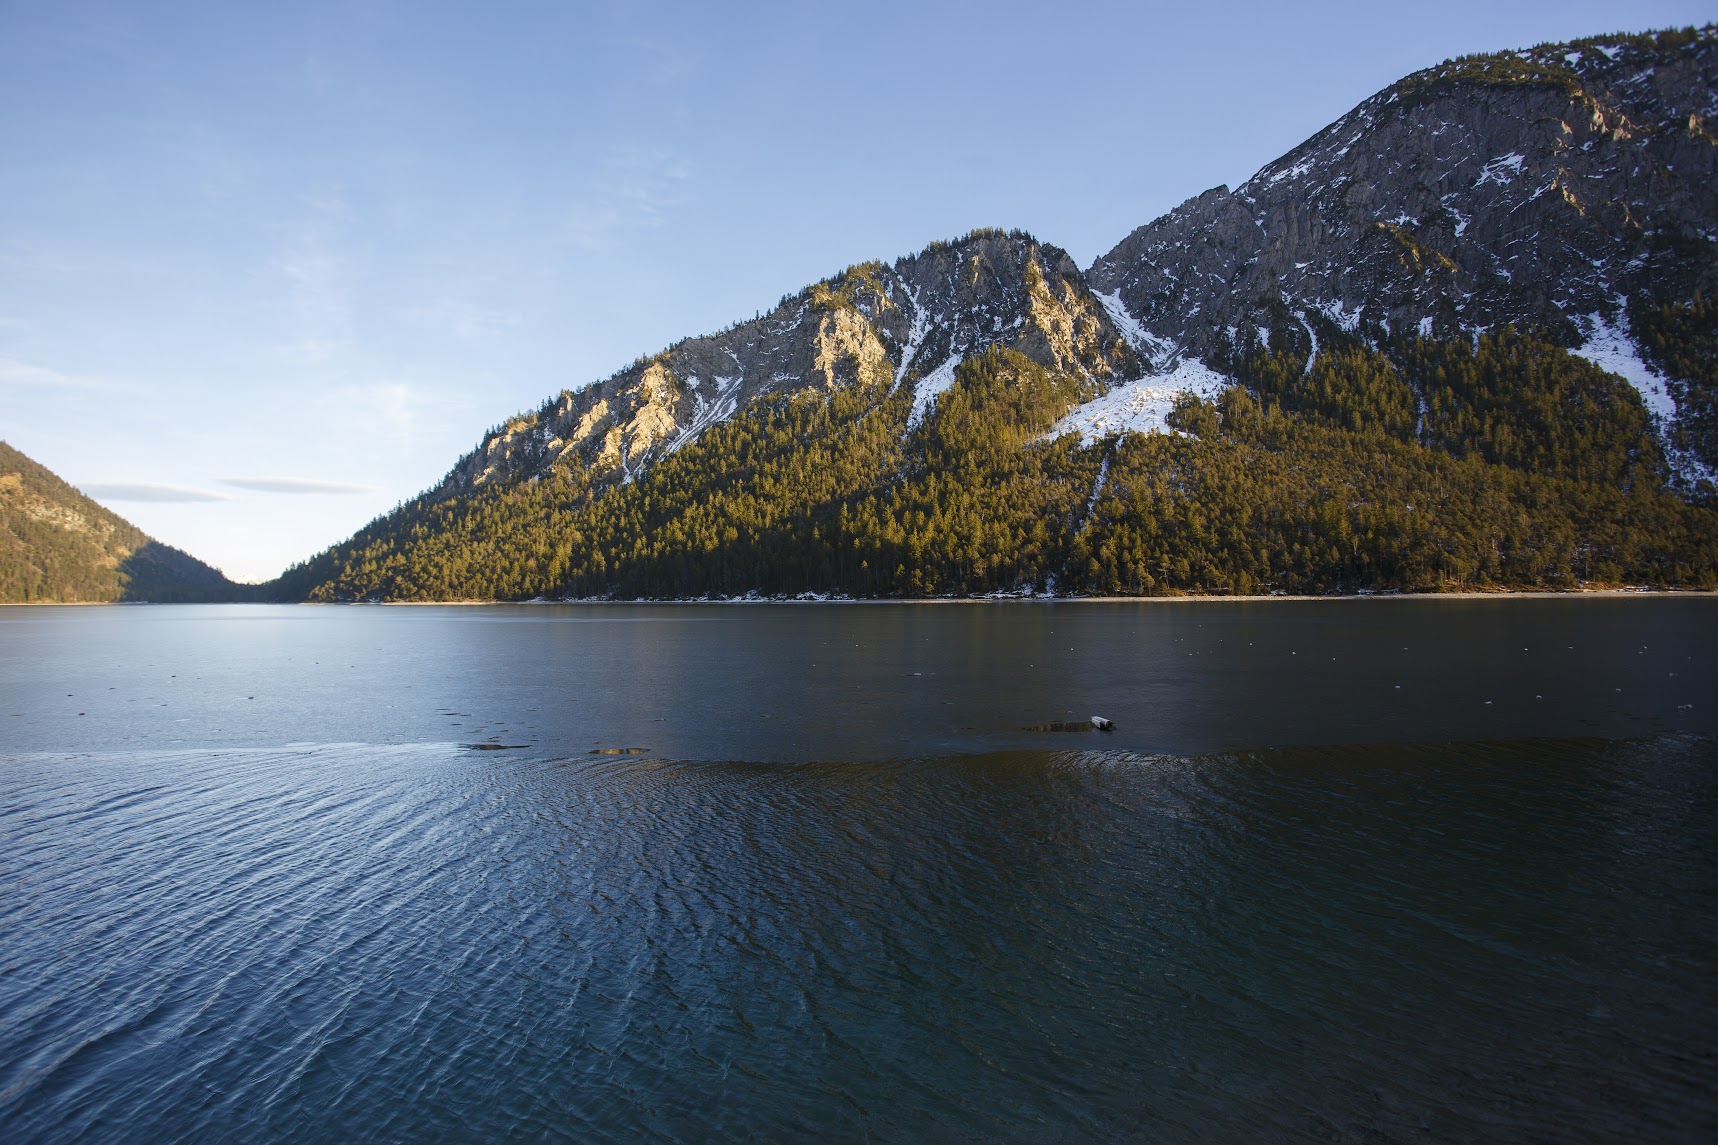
<point>1368,870</point>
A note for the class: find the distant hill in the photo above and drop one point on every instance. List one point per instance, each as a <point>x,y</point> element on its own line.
<point>1462,338</point>
<point>58,545</point>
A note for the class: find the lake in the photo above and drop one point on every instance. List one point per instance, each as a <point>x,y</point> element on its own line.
<point>1370,870</point>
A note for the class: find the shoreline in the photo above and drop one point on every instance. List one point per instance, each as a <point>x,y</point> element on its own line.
<point>1527,594</point>
<point>1190,598</point>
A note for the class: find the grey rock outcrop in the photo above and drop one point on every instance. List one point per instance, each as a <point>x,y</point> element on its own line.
<point>1543,187</point>
<point>874,326</point>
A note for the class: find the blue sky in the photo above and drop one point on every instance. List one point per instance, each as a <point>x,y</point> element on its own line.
<point>266,270</point>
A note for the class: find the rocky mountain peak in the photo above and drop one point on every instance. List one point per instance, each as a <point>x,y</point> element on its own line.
<point>1545,188</point>
<point>875,326</point>
<point>1358,368</point>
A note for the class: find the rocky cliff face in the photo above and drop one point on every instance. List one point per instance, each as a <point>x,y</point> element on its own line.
<point>874,326</point>
<point>1548,187</point>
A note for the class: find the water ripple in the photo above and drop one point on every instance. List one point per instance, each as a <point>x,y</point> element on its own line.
<point>389,943</point>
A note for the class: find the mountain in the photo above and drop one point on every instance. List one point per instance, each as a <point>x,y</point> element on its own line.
<point>56,545</point>
<point>1460,338</point>
<point>874,327</point>
<point>1571,188</point>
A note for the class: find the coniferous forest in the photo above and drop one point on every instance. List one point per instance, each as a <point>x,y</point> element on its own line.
<point>1390,344</point>
<point>1501,463</point>
<point>58,546</point>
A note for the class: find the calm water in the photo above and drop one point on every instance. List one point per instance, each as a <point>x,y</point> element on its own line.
<point>1357,870</point>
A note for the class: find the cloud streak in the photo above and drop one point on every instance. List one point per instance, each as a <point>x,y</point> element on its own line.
<point>318,278</point>
<point>149,491</point>
<point>16,373</point>
<point>299,485</point>
<point>465,319</point>
<point>632,188</point>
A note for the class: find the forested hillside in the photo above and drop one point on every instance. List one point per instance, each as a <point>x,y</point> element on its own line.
<point>1460,339</point>
<point>1523,466</point>
<point>56,545</point>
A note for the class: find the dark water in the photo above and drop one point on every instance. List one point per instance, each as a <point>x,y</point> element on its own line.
<point>1366,870</point>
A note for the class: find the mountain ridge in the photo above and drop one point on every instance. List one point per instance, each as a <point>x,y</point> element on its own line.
<point>663,415</point>
<point>1548,187</point>
<point>1429,282</point>
<point>59,546</point>
<point>918,315</point>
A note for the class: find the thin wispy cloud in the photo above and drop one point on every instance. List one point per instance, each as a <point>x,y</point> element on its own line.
<point>37,260</point>
<point>464,319</point>
<point>300,485</point>
<point>16,373</point>
<point>388,409</point>
<point>318,279</point>
<point>665,61</point>
<point>149,491</point>
<point>631,188</point>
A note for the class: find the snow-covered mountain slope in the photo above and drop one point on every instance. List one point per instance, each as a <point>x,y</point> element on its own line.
<point>1547,187</point>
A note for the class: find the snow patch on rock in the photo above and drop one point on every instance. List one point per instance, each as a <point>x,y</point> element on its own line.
<point>915,336</point>
<point>930,387</point>
<point>1140,406</point>
<point>1141,340</point>
<point>707,412</point>
<point>1338,312</point>
<point>1294,172</point>
<point>1502,170</point>
<point>1609,348</point>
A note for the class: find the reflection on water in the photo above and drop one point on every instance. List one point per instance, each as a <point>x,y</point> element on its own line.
<point>233,940</point>
<point>790,683</point>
